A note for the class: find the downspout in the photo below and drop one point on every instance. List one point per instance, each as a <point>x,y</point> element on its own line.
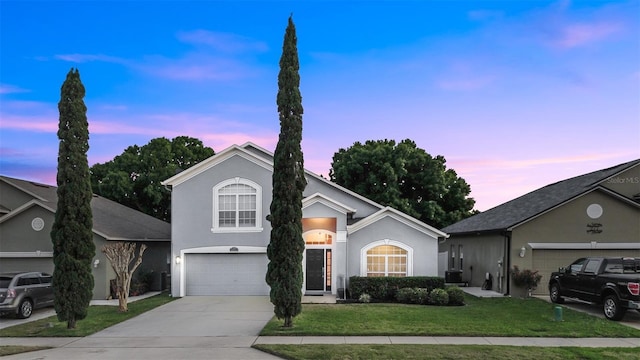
<point>507,266</point>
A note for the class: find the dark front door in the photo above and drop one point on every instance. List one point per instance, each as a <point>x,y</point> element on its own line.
<point>315,269</point>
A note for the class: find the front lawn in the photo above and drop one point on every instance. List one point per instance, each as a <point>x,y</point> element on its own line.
<point>458,352</point>
<point>480,317</point>
<point>98,318</point>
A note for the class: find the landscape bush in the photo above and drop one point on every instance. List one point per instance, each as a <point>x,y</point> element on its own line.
<point>456,295</point>
<point>412,295</point>
<point>385,288</point>
<point>438,297</point>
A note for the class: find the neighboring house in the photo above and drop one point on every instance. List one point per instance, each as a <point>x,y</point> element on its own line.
<point>596,214</point>
<point>27,212</point>
<point>220,232</point>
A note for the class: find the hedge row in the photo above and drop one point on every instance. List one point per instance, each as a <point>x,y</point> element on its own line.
<point>385,288</point>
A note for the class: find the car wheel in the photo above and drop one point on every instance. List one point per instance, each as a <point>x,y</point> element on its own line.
<point>25,309</point>
<point>612,308</point>
<point>554,294</point>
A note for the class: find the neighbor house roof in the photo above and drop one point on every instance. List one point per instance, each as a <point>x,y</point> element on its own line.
<point>111,220</point>
<point>528,206</point>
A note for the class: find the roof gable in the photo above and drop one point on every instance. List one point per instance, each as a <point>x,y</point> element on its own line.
<point>325,200</point>
<point>535,203</point>
<point>398,216</point>
<point>111,220</point>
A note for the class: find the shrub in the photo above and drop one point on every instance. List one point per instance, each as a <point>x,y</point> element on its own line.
<point>456,295</point>
<point>439,297</point>
<point>404,295</point>
<point>526,278</point>
<point>385,288</point>
<point>412,295</point>
<point>364,298</point>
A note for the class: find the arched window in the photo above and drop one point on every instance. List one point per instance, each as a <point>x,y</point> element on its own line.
<point>237,206</point>
<point>387,258</point>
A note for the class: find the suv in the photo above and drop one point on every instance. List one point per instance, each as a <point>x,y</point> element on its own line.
<point>21,292</point>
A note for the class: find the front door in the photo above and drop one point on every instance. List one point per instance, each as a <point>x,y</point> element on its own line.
<point>315,269</point>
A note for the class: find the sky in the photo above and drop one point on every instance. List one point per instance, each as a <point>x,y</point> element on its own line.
<point>515,95</point>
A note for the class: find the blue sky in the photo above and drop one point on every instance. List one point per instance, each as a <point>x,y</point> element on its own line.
<point>514,94</point>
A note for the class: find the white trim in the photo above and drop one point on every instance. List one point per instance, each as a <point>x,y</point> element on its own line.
<point>398,216</point>
<point>26,254</point>
<point>599,187</point>
<point>586,246</point>
<point>341,236</point>
<point>223,249</point>
<point>25,207</point>
<point>328,202</point>
<point>215,228</point>
<point>363,254</point>
<point>216,159</point>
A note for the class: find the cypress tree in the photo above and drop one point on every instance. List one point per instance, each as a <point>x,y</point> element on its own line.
<point>286,247</point>
<point>71,234</point>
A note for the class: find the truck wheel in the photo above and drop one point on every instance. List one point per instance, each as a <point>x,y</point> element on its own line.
<point>612,308</point>
<point>554,294</point>
<point>25,309</point>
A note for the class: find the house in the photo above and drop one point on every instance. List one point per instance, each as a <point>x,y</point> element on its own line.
<point>27,212</point>
<point>595,214</point>
<point>220,232</point>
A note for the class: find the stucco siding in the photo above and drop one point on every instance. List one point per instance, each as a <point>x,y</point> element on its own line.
<point>425,248</point>
<point>570,223</point>
<point>362,207</point>
<point>482,254</point>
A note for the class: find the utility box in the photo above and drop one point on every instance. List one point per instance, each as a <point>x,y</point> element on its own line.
<point>453,276</point>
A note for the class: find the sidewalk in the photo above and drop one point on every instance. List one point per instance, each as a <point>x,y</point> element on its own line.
<point>185,342</point>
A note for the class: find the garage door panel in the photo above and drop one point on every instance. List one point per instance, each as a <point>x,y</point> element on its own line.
<point>547,261</point>
<point>226,274</point>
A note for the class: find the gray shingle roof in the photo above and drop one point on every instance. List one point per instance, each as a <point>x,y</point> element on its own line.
<point>529,205</point>
<point>111,219</point>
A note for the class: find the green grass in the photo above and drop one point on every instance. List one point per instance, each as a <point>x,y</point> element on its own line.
<point>98,318</point>
<point>480,317</point>
<point>6,350</point>
<point>457,352</point>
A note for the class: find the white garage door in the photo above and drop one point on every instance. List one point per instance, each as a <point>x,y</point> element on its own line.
<point>226,274</point>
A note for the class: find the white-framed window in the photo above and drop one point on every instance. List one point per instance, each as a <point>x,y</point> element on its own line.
<point>237,206</point>
<point>386,258</point>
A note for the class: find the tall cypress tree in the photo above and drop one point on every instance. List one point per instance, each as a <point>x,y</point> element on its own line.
<point>286,247</point>
<point>71,234</point>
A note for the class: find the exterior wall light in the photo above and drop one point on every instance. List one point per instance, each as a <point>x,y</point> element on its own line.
<point>96,262</point>
<point>178,260</point>
<point>523,251</point>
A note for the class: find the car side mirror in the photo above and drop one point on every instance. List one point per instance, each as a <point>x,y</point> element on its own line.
<point>563,270</point>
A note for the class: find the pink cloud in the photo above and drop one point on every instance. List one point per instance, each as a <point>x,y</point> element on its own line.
<point>467,83</point>
<point>11,89</point>
<point>82,58</point>
<point>35,123</point>
<point>225,42</point>
<point>575,35</point>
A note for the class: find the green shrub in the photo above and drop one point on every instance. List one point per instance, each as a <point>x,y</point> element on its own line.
<point>456,295</point>
<point>438,297</point>
<point>385,288</point>
<point>404,295</point>
<point>364,298</point>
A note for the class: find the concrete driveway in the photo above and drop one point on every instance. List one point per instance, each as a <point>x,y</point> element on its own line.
<point>195,327</point>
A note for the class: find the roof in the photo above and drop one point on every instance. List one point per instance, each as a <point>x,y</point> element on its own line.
<point>111,220</point>
<point>523,208</point>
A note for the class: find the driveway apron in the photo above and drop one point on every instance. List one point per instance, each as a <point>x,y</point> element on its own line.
<point>194,327</point>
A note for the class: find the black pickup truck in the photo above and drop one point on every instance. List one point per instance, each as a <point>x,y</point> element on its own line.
<point>612,282</point>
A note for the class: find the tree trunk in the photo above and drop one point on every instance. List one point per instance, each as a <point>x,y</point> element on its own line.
<point>71,322</point>
<point>288,322</point>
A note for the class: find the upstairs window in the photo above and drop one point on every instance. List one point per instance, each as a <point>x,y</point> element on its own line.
<point>237,206</point>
